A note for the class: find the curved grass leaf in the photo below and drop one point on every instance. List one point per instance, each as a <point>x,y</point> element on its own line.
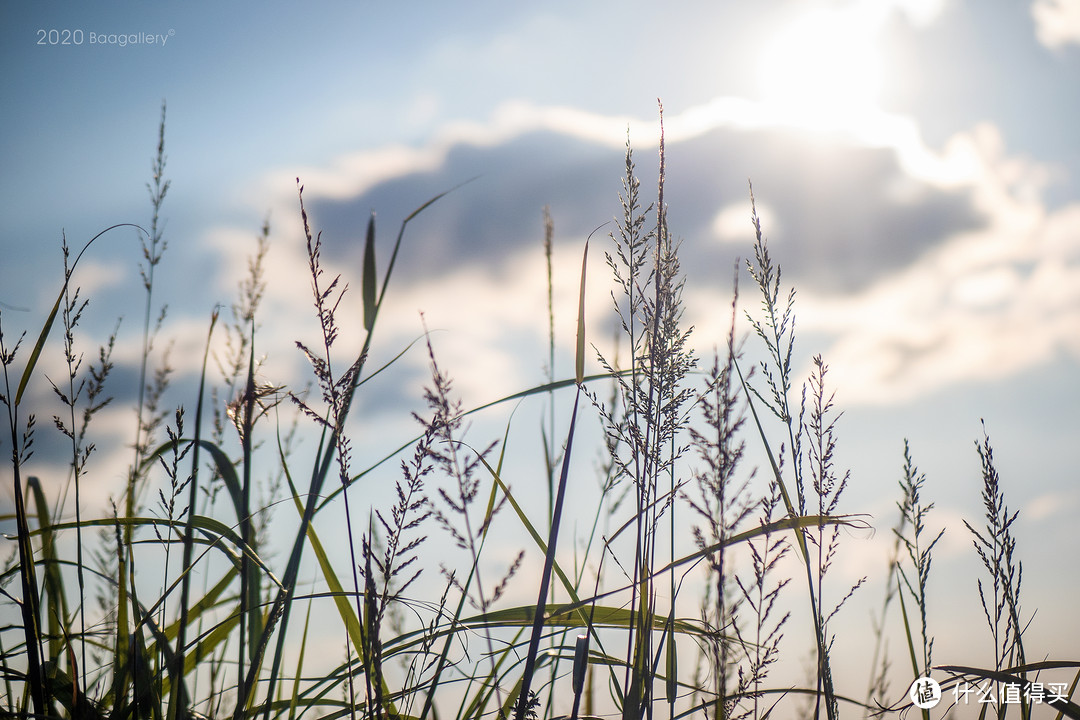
<point>216,529</point>
<point>35,353</point>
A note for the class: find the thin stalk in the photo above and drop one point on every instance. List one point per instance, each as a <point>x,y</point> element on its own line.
<point>282,607</point>
<point>524,702</point>
<point>72,311</point>
<point>179,703</point>
<point>549,454</point>
<point>247,608</point>
<point>152,248</point>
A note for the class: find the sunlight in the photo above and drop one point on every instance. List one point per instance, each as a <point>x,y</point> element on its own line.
<point>821,69</point>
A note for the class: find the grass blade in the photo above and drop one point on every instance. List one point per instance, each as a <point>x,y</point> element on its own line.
<point>368,279</point>
<point>579,355</point>
<point>55,600</point>
<point>545,578</point>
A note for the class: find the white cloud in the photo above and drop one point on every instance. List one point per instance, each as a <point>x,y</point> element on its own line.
<point>1057,22</point>
<point>982,306</point>
<point>1052,504</point>
<point>733,224</point>
<point>92,276</point>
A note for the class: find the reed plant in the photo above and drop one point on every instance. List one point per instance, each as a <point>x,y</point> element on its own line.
<point>680,594</point>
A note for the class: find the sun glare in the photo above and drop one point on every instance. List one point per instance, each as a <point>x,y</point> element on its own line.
<point>821,69</point>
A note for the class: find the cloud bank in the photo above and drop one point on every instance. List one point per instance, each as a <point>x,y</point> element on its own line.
<point>916,267</point>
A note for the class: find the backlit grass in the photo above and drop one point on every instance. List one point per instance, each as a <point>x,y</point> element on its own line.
<point>678,595</point>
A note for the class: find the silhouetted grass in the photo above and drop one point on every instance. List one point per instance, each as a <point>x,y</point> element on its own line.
<point>171,604</point>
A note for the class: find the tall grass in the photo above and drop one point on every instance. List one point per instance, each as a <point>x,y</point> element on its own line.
<point>695,576</point>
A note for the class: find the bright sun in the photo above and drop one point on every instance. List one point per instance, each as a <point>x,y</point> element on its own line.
<point>822,68</point>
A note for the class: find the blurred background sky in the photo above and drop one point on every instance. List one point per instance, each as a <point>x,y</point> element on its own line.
<point>915,164</point>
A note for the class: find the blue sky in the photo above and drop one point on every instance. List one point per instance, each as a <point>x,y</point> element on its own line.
<point>915,163</point>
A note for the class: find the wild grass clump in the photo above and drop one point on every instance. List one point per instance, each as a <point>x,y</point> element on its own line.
<point>679,592</point>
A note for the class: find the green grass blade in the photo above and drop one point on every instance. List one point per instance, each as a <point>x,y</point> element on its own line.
<point>368,279</point>
<point>492,681</point>
<point>549,561</point>
<point>54,599</point>
<point>583,617</point>
<point>180,700</point>
<point>907,633</point>
<point>295,696</point>
<point>207,602</point>
<point>537,538</point>
<point>353,627</point>
<point>282,605</point>
<point>1072,691</point>
<point>401,235</point>
<point>787,523</point>
<point>213,638</point>
<point>788,504</point>
<point>579,355</point>
<point>671,668</point>
<point>567,616</point>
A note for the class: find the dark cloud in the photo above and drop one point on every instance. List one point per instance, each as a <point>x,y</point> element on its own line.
<point>842,222</point>
<point>499,211</point>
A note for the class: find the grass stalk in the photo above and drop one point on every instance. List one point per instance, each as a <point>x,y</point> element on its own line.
<point>172,651</point>
<point>525,700</point>
<point>777,332</point>
<point>180,700</point>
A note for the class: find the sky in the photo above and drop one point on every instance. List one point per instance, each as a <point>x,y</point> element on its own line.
<point>914,163</point>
